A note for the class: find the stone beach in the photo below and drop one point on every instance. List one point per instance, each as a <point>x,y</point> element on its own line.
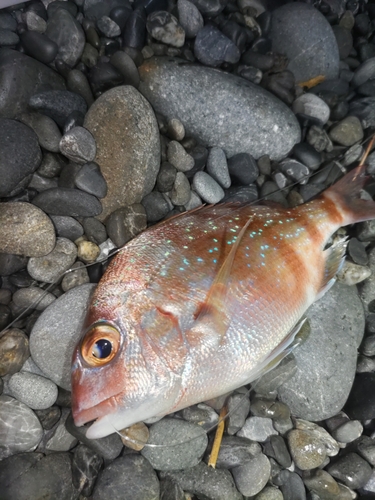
<point>117,114</point>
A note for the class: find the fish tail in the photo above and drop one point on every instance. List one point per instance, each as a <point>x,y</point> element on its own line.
<point>346,195</point>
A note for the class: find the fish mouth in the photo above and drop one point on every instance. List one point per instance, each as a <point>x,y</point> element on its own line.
<point>106,407</point>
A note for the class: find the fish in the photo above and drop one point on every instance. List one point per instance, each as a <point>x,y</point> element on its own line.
<point>206,302</point>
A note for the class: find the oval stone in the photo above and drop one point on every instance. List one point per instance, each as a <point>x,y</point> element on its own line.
<point>233,114</point>
<point>127,146</point>
<point>25,230</point>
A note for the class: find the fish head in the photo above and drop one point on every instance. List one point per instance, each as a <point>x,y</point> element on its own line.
<point>118,379</point>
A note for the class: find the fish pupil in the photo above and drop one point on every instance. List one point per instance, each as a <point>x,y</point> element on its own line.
<point>102,349</point>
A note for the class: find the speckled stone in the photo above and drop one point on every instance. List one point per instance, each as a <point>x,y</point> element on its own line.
<point>307,450</point>
<point>37,392</point>
<point>253,476</point>
<point>78,145</point>
<point>124,127</point>
<point>14,351</point>
<point>51,266</point>
<point>172,85</point>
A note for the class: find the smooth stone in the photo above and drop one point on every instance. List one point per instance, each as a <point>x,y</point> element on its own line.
<point>127,67</point>
<point>26,230</point>
<point>78,276</point>
<point>323,484</point>
<point>59,439</point>
<point>270,493</point>
<point>128,148</point>
<point>242,194</point>
<point>78,145</point>
<point>156,206</point>
<point>51,165</point>
<point>205,482</point>
<point>212,47</point>
<point>307,155</point>
<point>9,264</point>
<point>344,41</point>
<point>61,4</point>
<point>347,132</point>
<point>78,83</point>
<point>190,18</point>
<point>364,109</point>
<point>103,76</point>
<point>352,470</point>
<point>235,451</point>
<point>88,251</point>
<point>49,417</point>
<point>183,444</point>
<point>14,351</point>
<point>207,188</point>
<point>312,105</point>
<point>181,193</point>
<point>134,35</point>
<point>108,27</point>
<point>20,154</point>
<point>253,476</point>
<point>271,380</point>
<point>35,22</point>
<point>365,446</point>
<point>49,268</point>
<point>37,392</point>
<point>217,167</point>
<point>50,349</point>
<point>277,449</point>
<point>170,490</point>
<point>125,223</point>
<point>178,157</point>
<point>39,46</point>
<point>40,183</point>
<point>293,488</point>
<point>219,120</point>
<point>20,429</point>
<point>326,363</point>
<point>303,34</point>
<point>361,402</point>
<point>202,415</point>
<point>16,89</point>
<point>331,445</point>
<point>34,297</point>
<point>45,128</point>
<point>58,104</point>
<point>86,466</point>
<point>307,450</point>
<point>136,436</point>
<point>7,21</point>
<point>67,227</point>
<point>67,33</point>
<point>130,477</point>
<point>364,72</point>
<point>243,169</point>
<point>68,202</point>
<point>165,28</point>
<point>348,432</point>
<point>94,230</point>
<point>257,429</point>
<point>238,409</point>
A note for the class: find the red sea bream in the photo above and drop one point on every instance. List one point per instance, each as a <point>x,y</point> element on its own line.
<point>204,303</point>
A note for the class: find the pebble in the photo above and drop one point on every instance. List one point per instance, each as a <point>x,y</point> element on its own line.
<point>77,277</point>
<point>348,432</point>
<point>207,188</point>
<point>59,439</point>
<point>127,67</point>
<point>295,170</point>
<point>17,163</point>
<point>37,392</point>
<point>175,129</point>
<point>108,27</point>
<point>205,482</point>
<point>364,72</point>
<point>33,297</point>
<point>293,488</point>
<point>67,227</point>
<point>130,477</point>
<point>352,470</point>
<point>271,380</point>
<point>277,449</point>
<point>351,274</point>
<point>212,47</point>
<point>253,476</point>
<point>52,351</point>
<point>88,251</point>
<point>238,407</point>
<point>49,268</point>
<point>347,132</point>
<point>165,28</point>
<point>35,22</point>
<point>202,415</point>
<point>45,128</point>
<point>366,449</point>
<point>270,493</point>
<point>235,451</point>
<point>325,364</point>
<point>190,18</point>
<point>312,105</point>
<point>156,206</point>
<point>58,104</point>
<point>78,145</point>
<point>128,147</point>
<point>183,444</point>
<point>125,223</point>
<point>322,484</point>
<point>217,167</point>
<point>49,417</point>
<point>14,350</point>
<point>68,202</point>
<point>181,193</point>
<point>26,230</point>
<point>307,450</point>
<point>243,168</point>
<point>233,125</point>
<point>361,402</point>
<point>257,429</point>
<point>179,158</point>
<point>20,429</point>
<point>86,465</point>
<point>8,38</point>
<point>90,180</point>
<point>67,33</point>
<point>136,436</point>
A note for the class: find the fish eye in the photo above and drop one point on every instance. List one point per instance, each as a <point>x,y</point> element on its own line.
<point>100,344</point>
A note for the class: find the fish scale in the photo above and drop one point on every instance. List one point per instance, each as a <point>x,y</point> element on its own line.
<point>205,302</point>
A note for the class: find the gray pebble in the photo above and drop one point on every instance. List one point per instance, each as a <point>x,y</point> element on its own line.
<point>179,158</point>
<point>49,268</point>
<point>253,476</point>
<point>257,429</point>
<point>312,105</point>
<point>212,47</point>
<point>75,278</point>
<point>14,351</point>
<point>238,407</point>
<point>318,138</point>
<point>165,28</point>
<point>125,223</point>
<point>108,27</point>
<point>48,133</point>
<point>67,227</point>
<point>184,444</point>
<point>127,67</point>
<point>190,18</point>
<point>352,470</point>
<point>368,345</point>
<point>194,201</point>
<point>69,202</point>
<point>207,188</point>
<point>348,432</point>
<point>364,72</point>
<point>366,448</point>
<point>20,429</point>
<point>34,22</point>
<point>235,451</point>
<point>78,145</point>
<point>347,132</point>
<point>295,170</point>
<point>307,450</point>
<point>58,104</point>
<point>175,129</point>
<point>86,465</point>
<point>40,183</point>
<point>37,392</point>
<point>217,167</point>
<point>180,194</point>
<point>34,297</point>
<point>357,252</point>
<point>166,177</point>
<point>202,415</point>
<point>90,179</point>
<point>270,493</point>
<point>293,488</point>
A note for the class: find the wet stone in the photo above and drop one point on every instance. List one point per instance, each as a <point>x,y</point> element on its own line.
<point>67,227</point>
<point>204,481</point>
<point>202,415</point>
<point>165,28</point>
<point>58,104</point>
<point>270,381</point>
<point>68,202</point>
<point>293,488</point>
<point>352,470</point>
<point>187,443</point>
<point>322,484</point>
<point>212,47</point>
<point>277,449</point>
<point>312,105</point>
<point>348,432</point>
<point>347,132</point>
<point>365,447</point>
<point>179,158</point>
<point>20,429</point>
<point>235,451</point>
<point>295,170</point>
<point>37,392</point>
<point>217,167</point>
<point>252,477</point>
<point>86,465</point>
<point>49,417</point>
<point>238,406</point>
<point>257,429</point>
<point>48,268</point>
<point>78,145</point>
<point>136,436</point>
<point>14,350</point>
<point>331,445</point>
<point>130,477</point>
<point>270,493</point>
<point>207,188</point>
<point>307,450</point>
<point>125,223</point>
<point>51,351</point>
<point>88,251</point>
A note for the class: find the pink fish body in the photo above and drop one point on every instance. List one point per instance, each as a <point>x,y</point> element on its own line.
<point>204,303</point>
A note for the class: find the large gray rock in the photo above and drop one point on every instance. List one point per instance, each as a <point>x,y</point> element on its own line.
<point>219,109</point>
<point>56,333</point>
<point>303,34</point>
<point>21,77</point>
<point>128,146</point>
<point>326,362</point>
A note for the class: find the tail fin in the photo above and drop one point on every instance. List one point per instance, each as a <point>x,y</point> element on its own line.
<point>345,193</point>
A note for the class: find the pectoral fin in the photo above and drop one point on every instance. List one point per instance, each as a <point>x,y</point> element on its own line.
<point>335,258</point>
